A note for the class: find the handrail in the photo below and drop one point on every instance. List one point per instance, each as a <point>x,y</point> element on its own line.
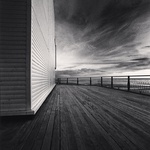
<point>133,83</point>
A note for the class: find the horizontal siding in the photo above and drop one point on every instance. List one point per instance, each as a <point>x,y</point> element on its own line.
<point>13,45</point>
<point>42,49</point>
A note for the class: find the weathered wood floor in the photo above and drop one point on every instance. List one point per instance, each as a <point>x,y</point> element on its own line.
<point>82,118</point>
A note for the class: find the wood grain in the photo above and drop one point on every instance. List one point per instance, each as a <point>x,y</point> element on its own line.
<point>82,118</point>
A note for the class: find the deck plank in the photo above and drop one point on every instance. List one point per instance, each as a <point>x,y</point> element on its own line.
<point>68,141</point>
<point>47,140</point>
<point>42,132</point>
<point>82,118</point>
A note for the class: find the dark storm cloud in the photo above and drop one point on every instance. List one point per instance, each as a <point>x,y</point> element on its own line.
<point>146,47</point>
<point>114,17</point>
<point>106,12</point>
<point>77,11</point>
<point>141,59</point>
<point>115,23</point>
<point>135,64</point>
<point>108,20</point>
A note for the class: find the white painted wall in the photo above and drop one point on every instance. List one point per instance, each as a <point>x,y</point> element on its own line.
<point>42,52</point>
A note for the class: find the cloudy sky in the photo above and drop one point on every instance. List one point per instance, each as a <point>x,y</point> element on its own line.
<point>102,37</point>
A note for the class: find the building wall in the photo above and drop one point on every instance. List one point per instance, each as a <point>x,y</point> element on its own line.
<point>42,52</point>
<point>27,53</point>
<point>13,60</point>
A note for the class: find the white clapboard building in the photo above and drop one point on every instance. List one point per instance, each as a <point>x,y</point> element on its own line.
<point>27,55</point>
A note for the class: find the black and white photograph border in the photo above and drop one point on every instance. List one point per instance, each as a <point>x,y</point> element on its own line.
<point>74,74</point>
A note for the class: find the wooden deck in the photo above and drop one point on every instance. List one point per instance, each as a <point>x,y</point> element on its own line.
<point>82,118</point>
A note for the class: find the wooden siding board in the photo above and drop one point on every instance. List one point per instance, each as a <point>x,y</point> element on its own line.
<point>13,61</point>
<point>11,30</point>
<point>14,7</point>
<point>14,16</point>
<point>12,22</point>
<point>12,83</point>
<point>17,108</point>
<point>12,50</point>
<point>13,56</point>
<point>6,22</point>
<point>13,65</point>
<point>13,34</point>
<point>13,90</point>
<point>12,73</point>
<point>15,102</point>
<point>20,12</point>
<point>6,38</point>
<point>13,77</point>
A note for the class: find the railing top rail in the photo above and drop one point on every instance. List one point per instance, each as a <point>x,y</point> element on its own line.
<point>129,76</point>
<point>105,76</point>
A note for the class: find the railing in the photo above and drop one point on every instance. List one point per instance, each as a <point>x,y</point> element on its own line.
<point>138,84</point>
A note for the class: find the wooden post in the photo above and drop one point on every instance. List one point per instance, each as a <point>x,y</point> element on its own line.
<point>90,81</point>
<point>67,80</point>
<point>112,82</point>
<point>77,81</point>
<point>101,81</point>
<point>128,83</point>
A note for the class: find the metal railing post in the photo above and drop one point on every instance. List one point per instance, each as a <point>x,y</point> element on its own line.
<point>128,83</point>
<point>90,81</point>
<point>112,83</point>
<point>101,81</point>
<point>134,83</point>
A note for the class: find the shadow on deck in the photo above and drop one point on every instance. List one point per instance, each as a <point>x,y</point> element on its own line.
<point>82,118</point>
